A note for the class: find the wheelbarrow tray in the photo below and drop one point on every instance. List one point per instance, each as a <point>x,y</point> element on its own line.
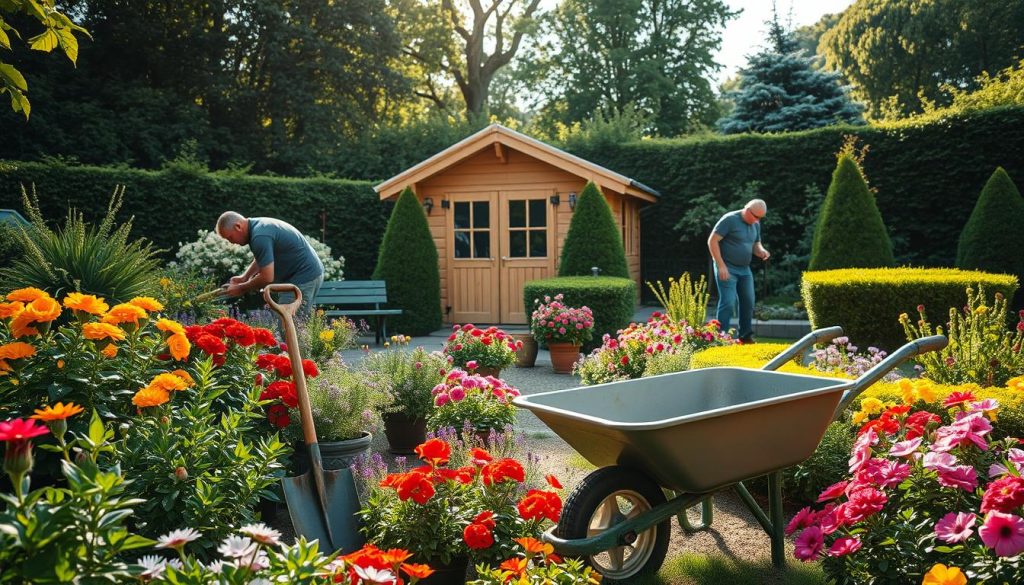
<point>695,431</point>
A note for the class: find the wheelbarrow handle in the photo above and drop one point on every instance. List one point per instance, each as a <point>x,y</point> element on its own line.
<point>291,340</point>
<point>908,351</point>
<point>817,336</point>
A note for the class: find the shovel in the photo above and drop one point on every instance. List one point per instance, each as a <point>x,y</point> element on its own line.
<point>322,503</point>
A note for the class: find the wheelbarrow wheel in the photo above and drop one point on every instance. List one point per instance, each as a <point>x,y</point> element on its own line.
<point>610,496</point>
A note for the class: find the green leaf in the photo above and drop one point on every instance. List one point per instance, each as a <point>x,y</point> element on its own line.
<point>68,43</point>
<point>136,541</point>
<point>96,430</point>
<point>45,41</point>
<point>13,76</point>
<point>5,41</point>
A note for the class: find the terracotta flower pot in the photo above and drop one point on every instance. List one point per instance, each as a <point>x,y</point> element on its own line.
<point>526,357</point>
<point>563,356</point>
<point>404,432</point>
<point>488,371</point>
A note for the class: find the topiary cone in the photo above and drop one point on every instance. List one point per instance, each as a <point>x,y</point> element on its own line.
<point>593,239</point>
<point>991,239</point>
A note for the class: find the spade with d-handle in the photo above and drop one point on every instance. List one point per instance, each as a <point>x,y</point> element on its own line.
<point>322,503</point>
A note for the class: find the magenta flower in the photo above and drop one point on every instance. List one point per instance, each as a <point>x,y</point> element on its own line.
<point>844,545</point>
<point>955,527</point>
<point>890,473</point>
<point>862,450</point>
<point>1004,533</point>
<point>441,399</point>
<point>808,544</point>
<point>961,476</point>
<point>804,518</point>
<point>471,365</point>
<point>833,491</point>
<point>457,394</point>
<point>905,448</point>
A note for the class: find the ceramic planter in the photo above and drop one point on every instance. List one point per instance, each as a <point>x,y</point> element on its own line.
<point>488,371</point>
<point>335,454</point>
<point>404,432</point>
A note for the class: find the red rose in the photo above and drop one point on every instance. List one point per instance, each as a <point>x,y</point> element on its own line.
<point>477,536</point>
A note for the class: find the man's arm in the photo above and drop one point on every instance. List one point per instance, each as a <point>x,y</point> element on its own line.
<point>245,276</point>
<point>760,252</point>
<point>262,278</point>
<point>716,253</point>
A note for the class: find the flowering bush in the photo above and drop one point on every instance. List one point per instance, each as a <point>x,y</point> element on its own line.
<point>537,564</point>
<point>407,378</point>
<point>213,256</point>
<point>439,512</point>
<point>554,322</point>
<point>685,299</point>
<point>981,349</point>
<point>180,292</point>
<point>841,357</point>
<point>470,348</point>
<point>924,490</point>
<point>626,356</point>
<point>321,337</point>
<point>480,402</point>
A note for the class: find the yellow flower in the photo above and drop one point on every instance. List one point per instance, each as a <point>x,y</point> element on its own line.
<point>859,417</point>
<point>11,309</point>
<point>165,282</point>
<point>150,396</point>
<point>907,389</point>
<point>58,411</point>
<point>386,345</point>
<point>327,336</point>
<point>189,382</point>
<point>21,325</point>
<point>86,303</point>
<point>102,331</point>
<point>4,368</point>
<point>27,295</point>
<point>871,405</point>
<point>943,575</point>
<point>172,327</point>
<point>110,351</point>
<point>925,390</point>
<point>60,364</point>
<point>1015,383</point>
<point>124,313</point>
<point>147,304</point>
<point>42,310</point>
<point>179,346</point>
<point>16,350</point>
<point>981,310</point>
<point>168,382</point>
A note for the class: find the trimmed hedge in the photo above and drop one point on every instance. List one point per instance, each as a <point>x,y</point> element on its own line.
<point>610,298</point>
<point>747,356</point>
<point>170,205</point>
<point>992,240</point>
<point>867,302</point>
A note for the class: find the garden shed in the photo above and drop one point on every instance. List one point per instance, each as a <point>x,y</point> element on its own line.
<point>499,205</point>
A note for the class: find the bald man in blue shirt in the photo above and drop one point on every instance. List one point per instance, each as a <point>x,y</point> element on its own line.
<point>734,241</point>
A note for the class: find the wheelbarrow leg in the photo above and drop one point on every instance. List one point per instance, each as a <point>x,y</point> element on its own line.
<point>773,522</point>
<point>707,515</point>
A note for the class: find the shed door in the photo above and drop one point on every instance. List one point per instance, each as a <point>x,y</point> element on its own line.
<point>526,246</point>
<point>472,259</point>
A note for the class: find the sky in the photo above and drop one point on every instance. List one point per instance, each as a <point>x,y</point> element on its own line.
<point>744,34</point>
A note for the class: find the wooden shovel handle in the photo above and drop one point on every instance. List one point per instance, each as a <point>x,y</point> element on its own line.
<point>291,340</point>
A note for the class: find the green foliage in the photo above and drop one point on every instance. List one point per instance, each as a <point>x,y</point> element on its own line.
<point>353,224</point>
<point>300,563</point>
<point>868,303</point>
<point>593,239</point>
<point>321,338</point>
<point>991,239</point>
<point>473,403</point>
<point>610,299</point>
<point>850,232</point>
<point>827,466</point>
<point>685,300</point>
<point>407,377</point>
<point>344,407</point>
<point>94,259</point>
<point>10,246</point>
<point>408,263</point>
<point>180,292</point>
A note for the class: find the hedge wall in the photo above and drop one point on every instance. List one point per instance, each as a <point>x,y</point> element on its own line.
<point>610,298</point>
<point>927,177</point>
<point>170,205</point>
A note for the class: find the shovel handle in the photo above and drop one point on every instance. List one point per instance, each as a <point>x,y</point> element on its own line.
<point>291,339</point>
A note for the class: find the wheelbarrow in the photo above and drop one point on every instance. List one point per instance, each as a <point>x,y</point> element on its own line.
<point>691,434</point>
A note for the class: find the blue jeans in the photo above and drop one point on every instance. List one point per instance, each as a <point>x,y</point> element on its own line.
<point>739,287</point>
<point>308,290</point>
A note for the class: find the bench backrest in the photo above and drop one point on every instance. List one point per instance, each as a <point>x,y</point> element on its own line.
<point>352,292</point>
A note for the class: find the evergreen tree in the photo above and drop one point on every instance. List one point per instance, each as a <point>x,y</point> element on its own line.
<point>780,90</point>
<point>408,263</point>
<point>850,231</point>
<point>593,239</point>
<point>991,240</point>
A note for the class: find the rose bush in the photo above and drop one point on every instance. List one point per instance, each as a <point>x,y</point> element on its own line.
<point>552,321</point>
<point>479,402</point>
<point>471,348</point>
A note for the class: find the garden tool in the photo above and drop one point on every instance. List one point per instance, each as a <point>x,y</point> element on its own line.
<point>210,295</point>
<point>322,503</point>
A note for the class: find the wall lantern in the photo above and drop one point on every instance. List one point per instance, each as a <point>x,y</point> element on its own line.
<point>555,200</point>
<point>428,204</point>
<point>445,204</point>
<point>572,200</point>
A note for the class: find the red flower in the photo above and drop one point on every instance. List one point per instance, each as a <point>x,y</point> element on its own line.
<point>956,398</point>
<point>277,414</point>
<point>264,337</point>
<point>553,482</point>
<point>193,332</point>
<point>480,456</point>
<point>538,505</point>
<point>486,518</point>
<point>241,334</point>
<point>309,368</point>
<point>266,361</point>
<point>917,422</point>
<point>219,360</point>
<point>477,536</point>
<point>435,452</point>
<point>210,345</point>
<point>500,471</point>
<point>283,366</point>
<point>415,485</point>
<point>284,390</point>
<point>1003,495</point>
<point>487,341</point>
<point>21,429</point>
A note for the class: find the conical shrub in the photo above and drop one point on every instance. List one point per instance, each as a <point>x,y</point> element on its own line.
<point>408,263</point>
<point>850,232</point>
<point>991,240</point>
<point>593,239</point>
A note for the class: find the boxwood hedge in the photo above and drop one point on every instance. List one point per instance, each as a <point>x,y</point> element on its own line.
<point>611,299</point>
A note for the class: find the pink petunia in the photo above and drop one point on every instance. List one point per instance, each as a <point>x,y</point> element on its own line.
<point>808,544</point>
<point>862,450</point>
<point>844,545</point>
<point>955,527</point>
<point>833,491</point>
<point>962,476</point>
<point>890,474</point>
<point>863,503</point>
<point>905,448</point>
<point>939,461</point>
<point>1003,532</point>
<point>804,518</point>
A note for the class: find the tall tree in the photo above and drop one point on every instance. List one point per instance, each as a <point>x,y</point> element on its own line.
<point>465,42</point>
<point>655,54</point>
<point>898,52</point>
<point>781,90</point>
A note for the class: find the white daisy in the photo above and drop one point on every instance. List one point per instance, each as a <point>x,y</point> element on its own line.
<point>236,546</point>
<point>177,538</point>
<point>262,533</point>
<point>153,566</point>
<point>371,575</point>
<point>215,566</point>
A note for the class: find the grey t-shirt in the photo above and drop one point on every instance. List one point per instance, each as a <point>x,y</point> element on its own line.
<point>272,240</point>
<point>738,238</point>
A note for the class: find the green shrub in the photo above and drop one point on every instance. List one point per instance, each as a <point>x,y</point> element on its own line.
<point>408,262</point>
<point>10,246</point>
<point>828,465</point>
<point>850,232</point>
<point>991,240</point>
<point>593,239</point>
<point>611,299</point>
<point>867,303</point>
<point>95,259</point>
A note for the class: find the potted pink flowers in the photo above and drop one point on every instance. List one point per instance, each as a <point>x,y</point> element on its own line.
<point>563,328</point>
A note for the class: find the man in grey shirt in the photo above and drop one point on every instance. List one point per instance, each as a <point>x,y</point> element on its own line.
<point>281,254</point>
<point>735,239</point>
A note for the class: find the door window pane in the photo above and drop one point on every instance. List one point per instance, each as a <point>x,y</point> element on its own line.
<point>461,215</point>
<point>481,214</point>
<point>538,243</point>
<point>462,245</point>
<point>517,244</point>
<point>538,213</point>
<point>517,213</point>
<point>482,244</point>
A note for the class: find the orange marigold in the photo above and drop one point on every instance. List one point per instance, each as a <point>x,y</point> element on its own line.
<point>110,351</point>
<point>11,309</point>
<point>185,376</point>
<point>124,313</point>
<point>168,382</point>
<point>102,331</point>
<point>58,411</point>
<point>86,303</point>
<point>147,304</point>
<point>43,309</point>
<point>21,325</point>
<point>179,346</point>
<point>150,396</point>
<point>16,350</point>
<point>172,327</point>
<point>27,295</point>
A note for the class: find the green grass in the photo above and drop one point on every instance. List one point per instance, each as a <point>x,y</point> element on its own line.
<point>717,568</point>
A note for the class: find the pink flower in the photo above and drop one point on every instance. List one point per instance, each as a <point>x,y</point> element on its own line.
<point>905,448</point>
<point>804,518</point>
<point>955,527</point>
<point>961,476</point>
<point>471,365</point>
<point>833,491</point>
<point>939,461</point>
<point>844,545</point>
<point>457,394</point>
<point>808,544</point>
<point>885,473</point>
<point>441,399</point>
<point>862,450</point>
<point>863,503</point>
<point>1004,533</point>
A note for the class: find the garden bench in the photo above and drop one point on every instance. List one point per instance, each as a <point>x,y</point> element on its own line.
<point>356,298</point>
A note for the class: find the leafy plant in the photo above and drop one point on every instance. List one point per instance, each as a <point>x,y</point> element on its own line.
<point>841,357</point>
<point>685,300</point>
<point>181,293</point>
<point>99,260</point>
<point>478,402</point>
<point>322,337</point>
<point>593,240</point>
<point>407,378</point>
<point>537,564</point>
<point>470,347</point>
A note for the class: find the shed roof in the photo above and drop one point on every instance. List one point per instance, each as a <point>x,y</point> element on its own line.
<point>498,134</point>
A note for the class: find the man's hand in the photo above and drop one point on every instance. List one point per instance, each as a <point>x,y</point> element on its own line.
<point>723,273</point>
<point>234,289</point>
<point>763,254</point>
<point>238,279</point>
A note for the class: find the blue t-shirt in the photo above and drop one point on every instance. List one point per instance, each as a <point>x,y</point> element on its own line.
<point>738,239</point>
<point>272,240</point>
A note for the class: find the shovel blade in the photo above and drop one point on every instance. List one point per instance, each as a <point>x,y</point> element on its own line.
<point>337,527</point>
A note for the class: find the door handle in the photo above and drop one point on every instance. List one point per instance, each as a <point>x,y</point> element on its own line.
<point>504,257</point>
